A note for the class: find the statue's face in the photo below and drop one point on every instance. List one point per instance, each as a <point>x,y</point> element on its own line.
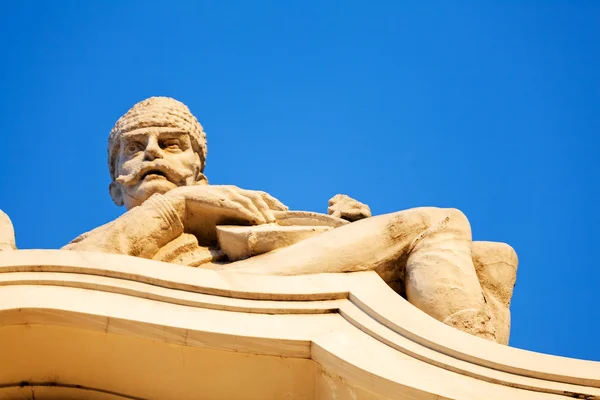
<point>154,160</point>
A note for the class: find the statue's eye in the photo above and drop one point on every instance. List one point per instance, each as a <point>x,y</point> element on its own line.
<point>171,144</point>
<point>132,148</point>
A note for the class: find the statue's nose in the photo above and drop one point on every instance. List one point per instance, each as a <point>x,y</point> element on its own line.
<point>153,151</point>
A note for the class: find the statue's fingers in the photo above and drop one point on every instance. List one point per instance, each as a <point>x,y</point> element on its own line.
<point>335,199</point>
<point>353,214</point>
<point>352,211</point>
<point>273,203</point>
<point>336,213</point>
<point>366,210</point>
<point>263,207</point>
<point>238,212</point>
<point>356,204</point>
<point>238,215</point>
<point>334,209</point>
<point>249,206</point>
<point>351,205</point>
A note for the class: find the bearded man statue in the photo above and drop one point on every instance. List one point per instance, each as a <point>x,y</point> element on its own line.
<point>157,155</point>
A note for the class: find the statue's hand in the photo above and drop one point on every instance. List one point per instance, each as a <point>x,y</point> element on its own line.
<point>209,205</point>
<point>346,207</point>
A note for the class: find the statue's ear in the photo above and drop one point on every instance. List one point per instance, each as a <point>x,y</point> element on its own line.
<point>116,192</point>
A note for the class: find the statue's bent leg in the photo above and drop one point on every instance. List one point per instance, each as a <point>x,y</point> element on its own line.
<point>496,267</point>
<point>434,244</point>
<point>440,275</point>
<point>369,244</point>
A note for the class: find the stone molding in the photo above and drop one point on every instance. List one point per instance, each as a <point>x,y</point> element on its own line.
<point>348,335</point>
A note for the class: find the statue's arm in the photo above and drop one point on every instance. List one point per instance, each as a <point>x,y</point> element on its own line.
<point>143,230</point>
<point>140,232</point>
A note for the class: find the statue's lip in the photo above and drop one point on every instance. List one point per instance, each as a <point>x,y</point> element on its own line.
<point>153,174</point>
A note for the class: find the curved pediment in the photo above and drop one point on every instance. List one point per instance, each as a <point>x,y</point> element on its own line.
<point>101,326</point>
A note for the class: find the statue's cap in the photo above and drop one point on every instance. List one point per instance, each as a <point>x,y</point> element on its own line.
<point>157,112</point>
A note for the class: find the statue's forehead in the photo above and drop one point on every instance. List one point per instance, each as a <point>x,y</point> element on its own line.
<point>160,131</point>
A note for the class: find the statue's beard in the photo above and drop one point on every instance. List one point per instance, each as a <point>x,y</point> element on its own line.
<point>176,176</point>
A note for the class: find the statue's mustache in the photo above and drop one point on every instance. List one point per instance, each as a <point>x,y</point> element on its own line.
<point>174,175</point>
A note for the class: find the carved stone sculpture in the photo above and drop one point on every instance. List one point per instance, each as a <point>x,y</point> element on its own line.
<point>157,154</point>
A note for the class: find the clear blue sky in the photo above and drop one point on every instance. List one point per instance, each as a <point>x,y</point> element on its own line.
<point>491,107</point>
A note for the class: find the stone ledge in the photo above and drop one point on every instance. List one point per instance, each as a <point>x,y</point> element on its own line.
<point>352,326</point>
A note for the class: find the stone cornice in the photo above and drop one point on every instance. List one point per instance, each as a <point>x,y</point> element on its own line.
<point>361,335</point>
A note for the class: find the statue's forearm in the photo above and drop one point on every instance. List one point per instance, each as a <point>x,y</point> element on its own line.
<point>140,232</point>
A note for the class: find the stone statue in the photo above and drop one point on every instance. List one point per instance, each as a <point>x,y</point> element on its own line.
<point>157,154</point>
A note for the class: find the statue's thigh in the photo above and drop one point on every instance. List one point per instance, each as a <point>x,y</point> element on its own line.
<point>440,277</point>
<point>429,228</point>
<point>415,223</point>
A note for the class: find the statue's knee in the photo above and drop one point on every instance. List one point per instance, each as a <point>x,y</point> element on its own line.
<point>402,225</point>
<point>421,219</point>
<point>454,214</point>
<point>496,266</point>
<point>455,220</point>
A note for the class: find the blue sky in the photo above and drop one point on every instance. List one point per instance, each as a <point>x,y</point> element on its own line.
<point>490,107</point>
